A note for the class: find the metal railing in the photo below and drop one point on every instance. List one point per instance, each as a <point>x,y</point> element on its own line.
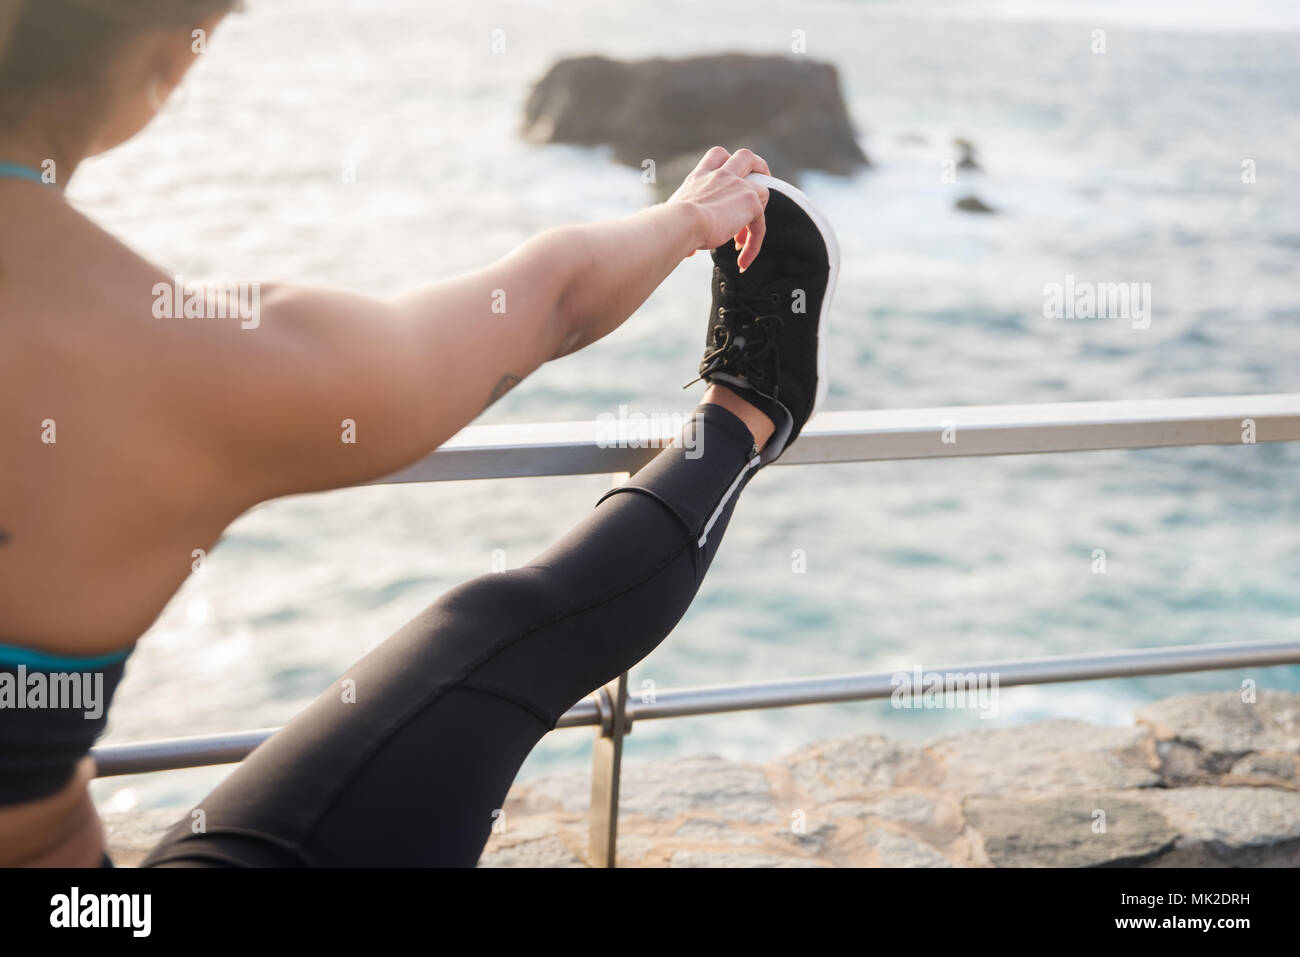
<point>576,448</point>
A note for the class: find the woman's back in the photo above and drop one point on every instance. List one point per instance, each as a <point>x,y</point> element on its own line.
<point>106,488</point>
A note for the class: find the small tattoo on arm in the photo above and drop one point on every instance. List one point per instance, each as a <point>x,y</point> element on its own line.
<point>504,385</point>
<point>5,537</point>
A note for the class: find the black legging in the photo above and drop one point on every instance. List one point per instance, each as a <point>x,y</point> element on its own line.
<point>404,760</point>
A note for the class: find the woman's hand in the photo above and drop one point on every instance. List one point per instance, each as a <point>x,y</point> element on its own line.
<point>729,205</point>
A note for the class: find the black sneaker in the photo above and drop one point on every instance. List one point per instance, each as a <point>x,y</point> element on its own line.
<point>767,329</point>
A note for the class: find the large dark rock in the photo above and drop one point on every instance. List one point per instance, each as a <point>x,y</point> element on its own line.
<point>787,109</point>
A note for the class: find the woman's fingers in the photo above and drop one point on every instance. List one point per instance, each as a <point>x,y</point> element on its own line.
<point>713,159</point>
<point>754,234</point>
<point>743,162</point>
<point>750,238</point>
<point>734,204</point>
<point>753,243</point>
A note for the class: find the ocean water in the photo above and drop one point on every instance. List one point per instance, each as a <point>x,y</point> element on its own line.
<point>1122,166</point>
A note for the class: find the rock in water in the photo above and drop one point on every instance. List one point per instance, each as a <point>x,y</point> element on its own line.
<point>666,110</point>
<point>973,204</point>
<point>967,149</point>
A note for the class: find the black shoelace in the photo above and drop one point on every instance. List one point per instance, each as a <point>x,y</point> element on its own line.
<point>744,339</point>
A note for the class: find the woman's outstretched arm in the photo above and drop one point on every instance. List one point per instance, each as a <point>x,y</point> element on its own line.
<point>336,389</point>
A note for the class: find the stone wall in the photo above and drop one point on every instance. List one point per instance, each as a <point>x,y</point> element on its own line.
<point>1200,780</point>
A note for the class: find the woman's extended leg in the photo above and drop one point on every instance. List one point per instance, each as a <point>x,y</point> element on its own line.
<point>405,759</point>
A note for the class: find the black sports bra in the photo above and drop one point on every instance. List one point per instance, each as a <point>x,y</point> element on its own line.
<point>52,708</point>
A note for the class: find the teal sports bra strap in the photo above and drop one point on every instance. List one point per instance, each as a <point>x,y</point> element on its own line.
<point>18,171</point>
<point>12,656</point>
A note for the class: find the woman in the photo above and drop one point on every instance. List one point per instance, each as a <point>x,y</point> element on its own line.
<point>129,440</point>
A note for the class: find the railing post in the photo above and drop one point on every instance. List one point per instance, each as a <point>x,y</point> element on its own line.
<point>607,760</point>
<point>606,765</point>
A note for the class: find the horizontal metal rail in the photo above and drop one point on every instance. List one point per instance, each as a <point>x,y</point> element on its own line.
<point>583,448</point>
<point>175,753</point>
